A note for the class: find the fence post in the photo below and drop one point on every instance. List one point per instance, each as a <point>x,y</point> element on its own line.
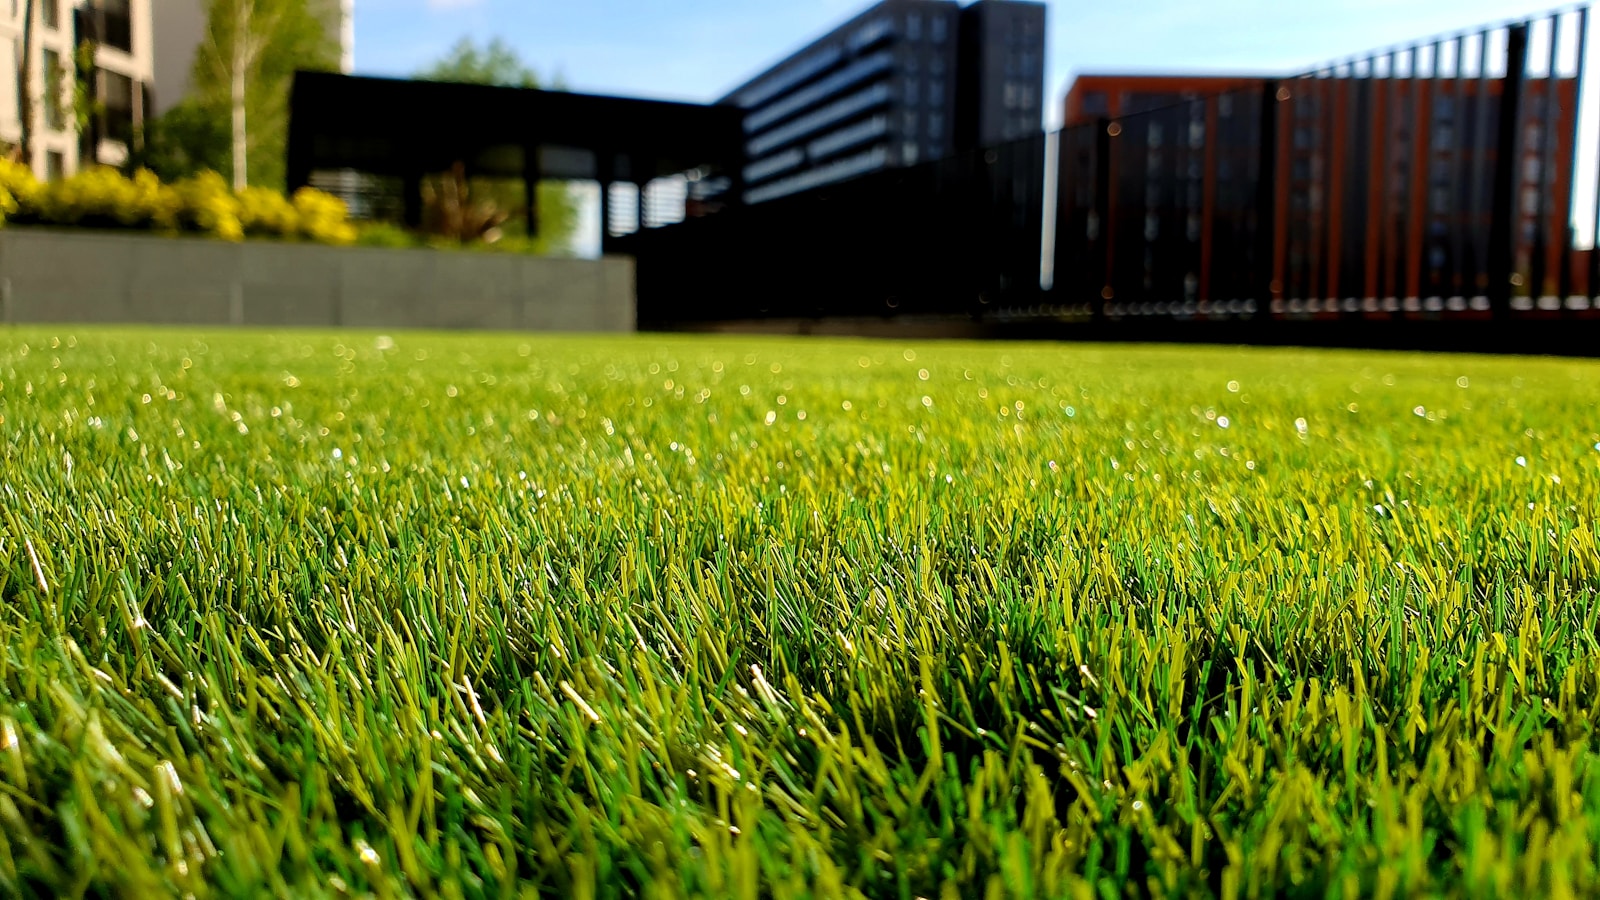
<point>530,189</point>
<point>1564,288</point>
<point>411,199</point>
<point>1266,231</point>
<point>1102,213</point>
<point>1539,269</point>
<point>1503,211</point>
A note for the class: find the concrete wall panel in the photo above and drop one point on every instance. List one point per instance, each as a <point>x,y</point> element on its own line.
<point>192,281</point>
<point>473,291</point>
<point>46,279</point>
<point>385,288</point>
<point>66,276</point>
<point>291,285</point>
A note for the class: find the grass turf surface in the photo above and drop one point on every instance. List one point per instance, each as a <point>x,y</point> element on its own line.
<point>335,614</point>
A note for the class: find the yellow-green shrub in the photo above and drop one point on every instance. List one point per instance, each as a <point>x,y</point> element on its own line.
<point>324,218</point>
<point>160,205</point>
<point>17,181</point>
<point>386,234</point>
<point>209,205</point>
<point>92,196</point>
<point>103,197</point>
<point>267,213</point>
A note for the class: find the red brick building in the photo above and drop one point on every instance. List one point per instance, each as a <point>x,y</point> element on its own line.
<point>1369,208</point>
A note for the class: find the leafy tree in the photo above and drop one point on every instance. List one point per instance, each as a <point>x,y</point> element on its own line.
<point>500,200</point>
<point>189,138</point>
<point>24,148</point>
<point>241,78</point>
<point>497,63</point>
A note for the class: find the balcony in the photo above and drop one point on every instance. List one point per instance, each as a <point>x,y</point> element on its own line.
<point>117,107</point>
<point>116,30</point>
<point>108,23</point>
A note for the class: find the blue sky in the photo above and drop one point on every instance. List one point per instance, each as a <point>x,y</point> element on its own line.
<point>698,49</point>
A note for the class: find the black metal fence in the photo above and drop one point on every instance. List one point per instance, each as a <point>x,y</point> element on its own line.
<point>950,237</point>
<point>1427,182</point>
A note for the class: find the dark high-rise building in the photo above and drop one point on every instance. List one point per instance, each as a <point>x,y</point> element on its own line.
<point>882,90</point>
<point>1001,95</point>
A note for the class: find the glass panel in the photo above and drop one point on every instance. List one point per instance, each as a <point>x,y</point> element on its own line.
<point>54,82</point>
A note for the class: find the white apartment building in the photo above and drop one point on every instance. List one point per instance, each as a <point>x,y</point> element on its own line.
<point>123,72</point>
<point>144,52</point>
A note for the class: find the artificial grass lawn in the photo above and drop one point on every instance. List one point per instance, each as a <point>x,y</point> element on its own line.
<point>465,615</point>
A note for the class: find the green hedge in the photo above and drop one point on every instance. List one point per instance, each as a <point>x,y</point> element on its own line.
<point>204,204</point>
<point>384,234</point>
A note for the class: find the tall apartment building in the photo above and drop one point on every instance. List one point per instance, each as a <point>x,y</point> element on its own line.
<point>904,82</point>
<point>180,27</point>
<point>120,79</point>
<point>1001,93</point>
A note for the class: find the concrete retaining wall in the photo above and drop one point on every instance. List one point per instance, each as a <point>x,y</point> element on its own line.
<point>64,276</point>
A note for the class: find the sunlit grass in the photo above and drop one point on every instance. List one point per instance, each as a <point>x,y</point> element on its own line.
<point>481,615</point>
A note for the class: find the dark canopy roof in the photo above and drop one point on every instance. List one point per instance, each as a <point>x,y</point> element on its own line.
<point>394,127</point>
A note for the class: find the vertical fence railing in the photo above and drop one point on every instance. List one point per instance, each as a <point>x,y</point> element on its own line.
<point>1432,180</point>
<point>1571,303</point>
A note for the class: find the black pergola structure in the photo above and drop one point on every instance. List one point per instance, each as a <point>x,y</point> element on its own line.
<point>408,129</point>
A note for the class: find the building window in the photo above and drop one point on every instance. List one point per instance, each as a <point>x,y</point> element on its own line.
<point>52,13</point>
<point>910,126</point>
<point>54,82</point>
<point>914,26</point>
<point>1095,103</point>
<point>866,35</point>
<point>936,92</point>
<point>55,165</point>
<point>936,125</point>
<point>936,29</point>
<point>116,99</point>
<point>911,93</point>
<point>117,30</point>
